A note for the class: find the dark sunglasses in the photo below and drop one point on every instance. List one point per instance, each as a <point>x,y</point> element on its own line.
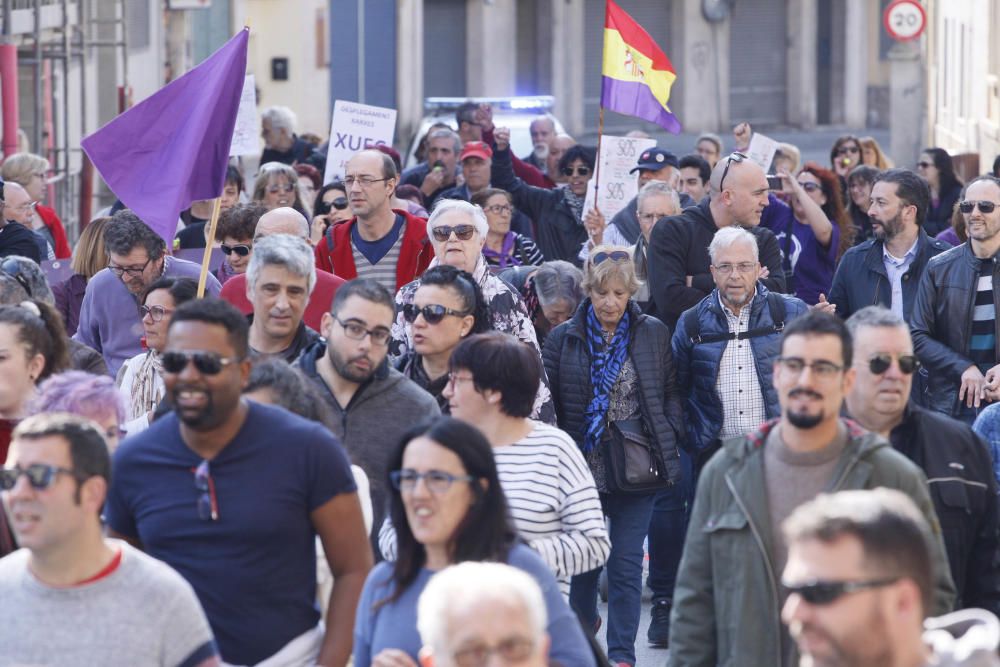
<point>207,363</point>
<point>826,592</point>
<point>40,475</point>
<point>340,203</point>
<point>433,313</point>
<point>730,159</point>
<point>208,505</point>
<point>242,250</point>
<point>463,232</point>
<point>848,149</point>
<point>579,171</point>
<point>810,187</point>
<point>12,268</point>
<point>880,363</point>
<point>614,256</point>
<point>966,207</point>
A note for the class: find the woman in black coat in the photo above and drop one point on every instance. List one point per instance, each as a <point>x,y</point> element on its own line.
<point>610,370</point>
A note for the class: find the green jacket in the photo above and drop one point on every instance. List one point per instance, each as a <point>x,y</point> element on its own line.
<point>726,606</point>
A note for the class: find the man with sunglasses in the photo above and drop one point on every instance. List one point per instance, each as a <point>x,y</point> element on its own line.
<point>70,595</point>
<point>109,317</point>
<point>954,319</point>
<point>727,600</point>
<point>373,403</point>
<point>16,239</point>
<point>679,274</point>
<point>859,583</point>
<point>232,494</point>
<point>955,460</point>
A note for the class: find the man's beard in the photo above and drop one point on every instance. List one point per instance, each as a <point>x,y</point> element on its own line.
<point>541,152</point>
<point>889,229</point>
<point>343,368</point>
<point>804,420</point>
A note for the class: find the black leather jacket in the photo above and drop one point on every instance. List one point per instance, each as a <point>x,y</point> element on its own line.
<point>942,319</point>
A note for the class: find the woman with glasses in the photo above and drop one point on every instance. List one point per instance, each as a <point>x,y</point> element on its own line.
<point>845,154</point>
<point>277,185</point>
<point>558,214</point>
<point>549,487</point>
<point>613,381</point>
<point>92,396</point>
<point>814,239</point>
<point>935,167</point>
<point>33,346</point>
<point>448,507</point>
<point>89,257</point>
<point>447,307</point>
<point>140,378</point>
<point>29,171</point>
<point>235,236</point>
<point>330,207</point>
<point>504,247</point>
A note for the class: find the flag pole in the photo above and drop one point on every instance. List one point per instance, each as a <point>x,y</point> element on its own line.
<point>597,160</point>
<point>208,246</point>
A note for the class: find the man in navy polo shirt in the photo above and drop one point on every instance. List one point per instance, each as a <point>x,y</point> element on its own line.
<point>232,494</point>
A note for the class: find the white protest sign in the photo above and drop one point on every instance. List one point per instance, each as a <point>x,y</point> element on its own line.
<point>246,133</point>
<point>619,155</point>
<point>762,150</point>
<point>355,127</point>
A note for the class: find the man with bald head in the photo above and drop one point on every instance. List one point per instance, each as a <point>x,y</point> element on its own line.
<point>679,265</point>
<point>385,244</point>
<point>286,220</point>
<point>17,238</point>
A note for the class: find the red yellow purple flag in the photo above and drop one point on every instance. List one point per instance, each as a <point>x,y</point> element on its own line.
<point>637,75</point>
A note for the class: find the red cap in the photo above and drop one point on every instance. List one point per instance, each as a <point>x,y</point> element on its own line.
<point>476,149</point>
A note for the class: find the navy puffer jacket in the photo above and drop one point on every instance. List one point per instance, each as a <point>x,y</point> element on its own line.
<point>567,365</point>
<point>698,365</point>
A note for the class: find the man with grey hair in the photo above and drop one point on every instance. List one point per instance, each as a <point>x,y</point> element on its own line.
<point>472,611</point>
<point>286,220</point>
<point>277,129</point>
<point>16,239</point>
<point>956,461</point>
<point>441,169</point>
<point>19,208</point>
<point>280,278</point>
<point>385,244</point>
<point>724,350</point>
<point>109,317</point>
<point>21,278</point>
<point>655,164</point>
<point>542,129</point>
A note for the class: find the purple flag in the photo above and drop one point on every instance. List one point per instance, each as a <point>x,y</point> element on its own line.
<point>172,148</point>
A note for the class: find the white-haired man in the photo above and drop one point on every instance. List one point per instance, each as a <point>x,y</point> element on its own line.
<point>471,612</point>
<point>277,129</point>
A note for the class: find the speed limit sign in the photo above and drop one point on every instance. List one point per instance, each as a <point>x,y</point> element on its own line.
<point>904,20</point>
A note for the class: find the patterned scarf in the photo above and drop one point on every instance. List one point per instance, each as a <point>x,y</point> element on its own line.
<point>145,394</point>
<point>605,365</point>
<point>530,295</point>
<point>575,203</point>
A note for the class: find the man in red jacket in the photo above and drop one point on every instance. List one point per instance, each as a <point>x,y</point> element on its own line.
<point>385,244</point>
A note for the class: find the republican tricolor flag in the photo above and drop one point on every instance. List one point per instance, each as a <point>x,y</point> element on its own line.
<point>637,75</point>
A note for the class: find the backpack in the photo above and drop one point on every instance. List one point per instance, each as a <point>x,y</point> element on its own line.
<point>775,305</point>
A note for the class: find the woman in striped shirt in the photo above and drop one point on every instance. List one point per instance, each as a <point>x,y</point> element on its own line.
<point>549,487</point>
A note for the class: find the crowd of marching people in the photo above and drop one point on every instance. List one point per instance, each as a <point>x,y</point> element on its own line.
<point>431,416</point>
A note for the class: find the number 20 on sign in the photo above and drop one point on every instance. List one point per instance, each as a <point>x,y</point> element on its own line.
<point>904,20</point>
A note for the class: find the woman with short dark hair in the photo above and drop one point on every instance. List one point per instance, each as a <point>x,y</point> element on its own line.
<point>448,506</point>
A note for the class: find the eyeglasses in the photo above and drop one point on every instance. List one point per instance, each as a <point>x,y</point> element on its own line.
<point>454,379</point>
<point>242,249</point>
<point>730,159</point>
<point>809,186</point>
<point>275,189</point>
<point>443,232</point>
<point>614,256</point>
<point>355,331</point>
<point>844,150</point>
<point>824,369</point>
<point>908,363</point>
<point>437,481</point>
<point>984,206</point>
<point>156,313</point>
<point>578,171</point>
<point>827,592</point>
<point>24,208</point>
<point>500,209</point>
<point>40,475</point>
<point>363,181</point>
<point>131,270</point>
<point>208,505</point>
<point>925,165</point>
<point>12,267</point>
<point>512,650</point>
<point>743,267</point>
<point>207,363</point>
<point>433,313</point>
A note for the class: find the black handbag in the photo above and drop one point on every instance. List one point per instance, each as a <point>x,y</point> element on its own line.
<point>632,461</point>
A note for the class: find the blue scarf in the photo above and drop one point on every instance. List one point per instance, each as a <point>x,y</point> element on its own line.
<point>605,366</point>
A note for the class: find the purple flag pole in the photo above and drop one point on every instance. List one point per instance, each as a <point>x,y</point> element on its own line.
<point>172,148</point>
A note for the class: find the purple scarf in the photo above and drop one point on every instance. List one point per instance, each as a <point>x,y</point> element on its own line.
<point>505,257</point>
